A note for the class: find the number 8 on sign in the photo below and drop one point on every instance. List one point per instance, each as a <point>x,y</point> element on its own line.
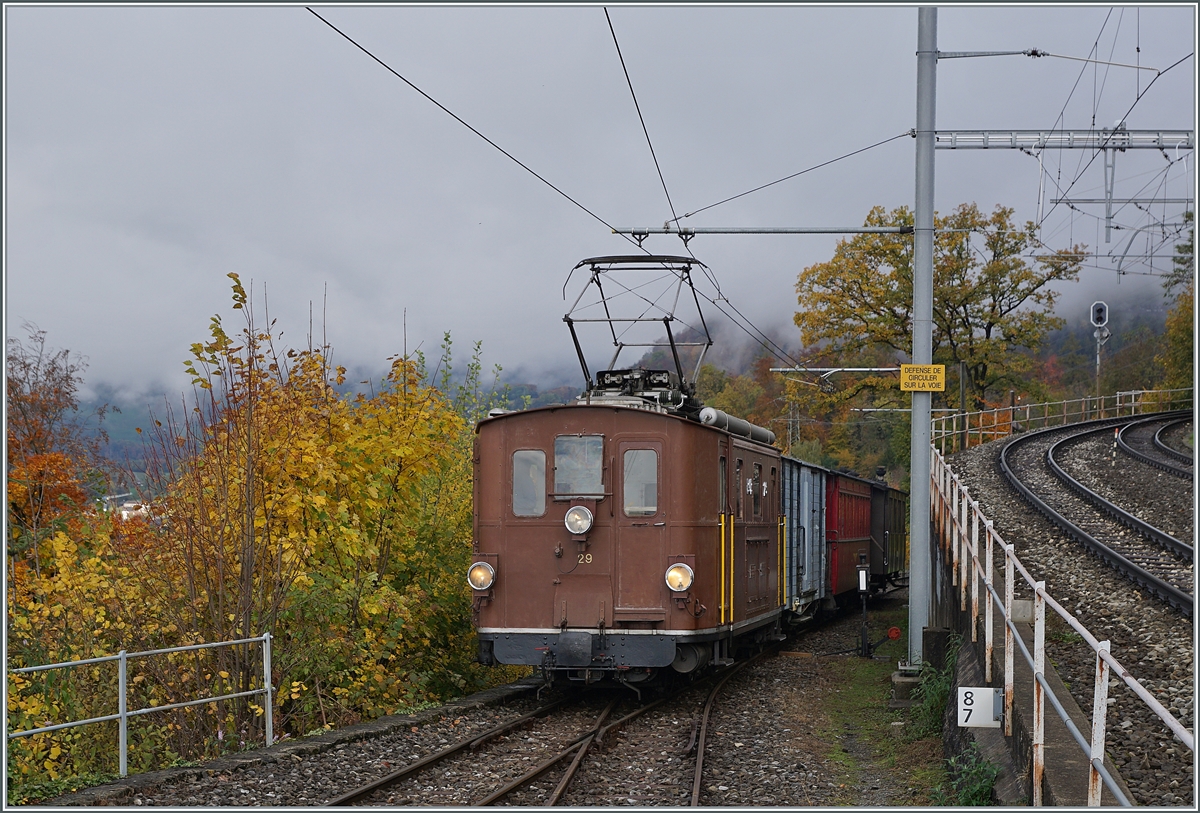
<point>978,707</point>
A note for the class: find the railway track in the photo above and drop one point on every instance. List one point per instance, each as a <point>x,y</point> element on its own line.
<point>1149,441</point>
<point>1153,560</point>
<point>565,738</point>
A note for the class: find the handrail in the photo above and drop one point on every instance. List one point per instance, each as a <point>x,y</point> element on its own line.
<point>953,512</point>
<point>124,713</point>
<point>954,432</point>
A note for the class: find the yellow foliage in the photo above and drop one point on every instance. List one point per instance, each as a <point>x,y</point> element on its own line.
<point>341,524</point>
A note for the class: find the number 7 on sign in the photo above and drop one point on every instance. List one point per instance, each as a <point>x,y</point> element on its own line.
<point>979,707</point>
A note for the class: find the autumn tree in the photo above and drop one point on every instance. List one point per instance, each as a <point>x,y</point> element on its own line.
<point>54,461</point>
<point>990,303</point>
<point>338,522</point>
<point>1176,356</point>
<point>1183,264</point>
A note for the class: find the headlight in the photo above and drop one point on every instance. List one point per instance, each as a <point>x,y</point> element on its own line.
<point>481,576</point>
<point>679,577</point>
<point>579,520</point>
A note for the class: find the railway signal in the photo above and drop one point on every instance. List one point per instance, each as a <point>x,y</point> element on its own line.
<point>1099,317</point>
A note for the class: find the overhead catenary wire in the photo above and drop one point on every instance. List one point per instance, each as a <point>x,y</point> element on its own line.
<point>761,339</point>
<point>1140,96</point>
<point>906,133</point>
<point>638,107</point>
<point>459,119</point>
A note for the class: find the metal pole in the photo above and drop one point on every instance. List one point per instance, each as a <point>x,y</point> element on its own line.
<point>266,654</point>
<point>989,641</point>
<point>1008,639</point>
<point>975,514</point>
<point>123,710</point>
<point>1039,693</point>
<point>962,400</point>
<point>919,550</point>
<point>1099,718</point>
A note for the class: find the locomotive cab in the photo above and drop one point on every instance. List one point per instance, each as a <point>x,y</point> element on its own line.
<point>604,548</point>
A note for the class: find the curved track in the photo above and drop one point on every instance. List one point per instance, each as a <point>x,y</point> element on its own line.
<point>1164,568</point>
<point>1162,539</point>
<point>1144,441</point>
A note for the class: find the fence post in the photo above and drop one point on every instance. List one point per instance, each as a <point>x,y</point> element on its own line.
<point>1099,716</point>
<point>270,707</point>
<point>1039,693</point>
<point>975,571</point>
<point>966,553</point>
<point>989,643</point>
<point>1008,639</point>
<point>952,529</point>
<point>123,709</point>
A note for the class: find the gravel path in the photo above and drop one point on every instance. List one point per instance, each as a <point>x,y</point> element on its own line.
<point>1152,641</point>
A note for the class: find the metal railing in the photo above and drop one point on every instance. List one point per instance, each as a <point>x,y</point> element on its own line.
<point>124,713</point>
<point>961,430</point>
<point>959,522</point>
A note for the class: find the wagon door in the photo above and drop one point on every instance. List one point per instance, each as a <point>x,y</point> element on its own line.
<point>641,529</point>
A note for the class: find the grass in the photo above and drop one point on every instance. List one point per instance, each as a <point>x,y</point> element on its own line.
<point>860,734</point>
<point>932,695</point>
<point>968,777</point>
<point>37,791</point>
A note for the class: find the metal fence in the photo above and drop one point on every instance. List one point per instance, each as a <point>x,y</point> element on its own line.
<point>124,713</point>
<point>959,524</point>
<point>961,430</point>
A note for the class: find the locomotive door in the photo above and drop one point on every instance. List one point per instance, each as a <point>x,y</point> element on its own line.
<point>640,524</point>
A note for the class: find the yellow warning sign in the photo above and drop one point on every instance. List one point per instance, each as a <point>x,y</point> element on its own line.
<point>923,377</point>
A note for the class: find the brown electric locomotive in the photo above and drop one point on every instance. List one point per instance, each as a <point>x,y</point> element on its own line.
<point>635,529</point>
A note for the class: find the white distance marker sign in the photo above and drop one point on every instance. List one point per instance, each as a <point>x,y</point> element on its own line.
<point>980,707</point>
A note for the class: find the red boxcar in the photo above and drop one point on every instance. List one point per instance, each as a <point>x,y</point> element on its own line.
<point>847,529</point>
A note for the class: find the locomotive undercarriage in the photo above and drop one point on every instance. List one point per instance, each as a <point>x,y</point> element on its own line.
<point>592,656</point>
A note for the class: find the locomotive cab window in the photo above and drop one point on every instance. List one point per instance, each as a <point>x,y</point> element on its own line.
<point>529,483</point>
<point>737,476</point>
<point>578,464</point>
<point>721,484</point>
<point>756,490</point>
<point>640,482</point>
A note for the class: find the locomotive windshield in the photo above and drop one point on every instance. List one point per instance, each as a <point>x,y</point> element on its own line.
<point>529,483</point>
<point>578,464</point>
<point>641,483</point>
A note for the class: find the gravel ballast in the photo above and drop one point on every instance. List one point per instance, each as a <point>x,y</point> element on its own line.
<point>1152,641</point>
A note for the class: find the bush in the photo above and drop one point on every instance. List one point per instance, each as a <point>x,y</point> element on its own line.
<point>932,694</point>
<point>971,780</point>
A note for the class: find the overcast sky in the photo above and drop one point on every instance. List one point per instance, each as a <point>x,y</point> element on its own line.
<point>151,151</point>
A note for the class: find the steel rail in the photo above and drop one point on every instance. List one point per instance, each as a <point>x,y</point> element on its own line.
<point>580,753</point>
<point>1151,460</point>
<point>708,706</point>
<point>471,743</point>
<point>594,735</point>
<point>1170,594</point>
<point>1170,451</point>
<point>1155,535</point>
